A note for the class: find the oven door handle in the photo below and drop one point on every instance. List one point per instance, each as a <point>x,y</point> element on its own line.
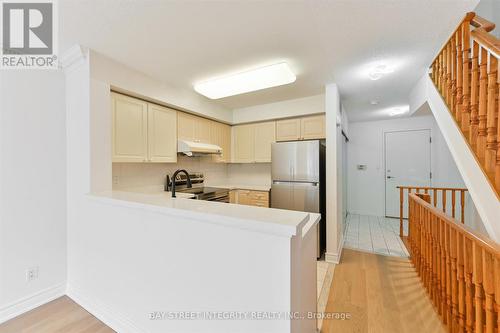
<point>220,198</point>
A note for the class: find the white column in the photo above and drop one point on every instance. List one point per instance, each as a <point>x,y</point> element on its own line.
<point>333,174</point>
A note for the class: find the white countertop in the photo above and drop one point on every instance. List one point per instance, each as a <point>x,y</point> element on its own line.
<point>155,190</point>
<point>268,220</point>
<point>264,188</point>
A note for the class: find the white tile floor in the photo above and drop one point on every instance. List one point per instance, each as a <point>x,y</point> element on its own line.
<point>374,234</point>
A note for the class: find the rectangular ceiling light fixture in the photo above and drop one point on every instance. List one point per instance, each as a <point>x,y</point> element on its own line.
<point>252,80</point>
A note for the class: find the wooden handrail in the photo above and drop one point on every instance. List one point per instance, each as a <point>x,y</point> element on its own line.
<point>459,268</point>
<point>432,188</point>
<point>438,196</point>
<point>481,23</point>
<point>466,73</point>
<point>487,40</point>
<point>484,241</point>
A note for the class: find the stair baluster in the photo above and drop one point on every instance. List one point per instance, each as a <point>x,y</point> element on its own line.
<point>457,98</point>
<point>491,124</point>
<point>466,63</point>
<point>474,107</point>
<point>477,254</point>
<point>483,110</point>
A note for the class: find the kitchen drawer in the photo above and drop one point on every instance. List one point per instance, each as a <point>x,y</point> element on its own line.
<point>233,196</point>
<point>253,198</point>
<point>259,195</point>
<point>259,203</point>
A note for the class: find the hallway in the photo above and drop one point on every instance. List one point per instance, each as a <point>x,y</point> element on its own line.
<point>374,234</point>
<point>379,294</point>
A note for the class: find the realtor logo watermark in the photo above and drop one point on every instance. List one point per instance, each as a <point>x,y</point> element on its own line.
<point>29,34</point>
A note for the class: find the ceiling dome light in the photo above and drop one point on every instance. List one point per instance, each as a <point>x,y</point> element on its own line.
<point>243,82</point>
<point>397,111</point>
<point>379,71</point>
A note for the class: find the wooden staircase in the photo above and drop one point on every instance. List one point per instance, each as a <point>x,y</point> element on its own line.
<point>466,73</point>
<point>460,268</point>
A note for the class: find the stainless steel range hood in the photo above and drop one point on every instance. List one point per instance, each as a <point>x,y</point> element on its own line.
<point>191,148</point>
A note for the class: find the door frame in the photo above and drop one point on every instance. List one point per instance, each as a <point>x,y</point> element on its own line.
<point>385,132</point>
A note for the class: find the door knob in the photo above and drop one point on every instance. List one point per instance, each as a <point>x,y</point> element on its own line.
<point>389,177</point>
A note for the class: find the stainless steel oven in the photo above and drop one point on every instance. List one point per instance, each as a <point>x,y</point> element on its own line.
<point>198,189</point>
<point>219,198</point>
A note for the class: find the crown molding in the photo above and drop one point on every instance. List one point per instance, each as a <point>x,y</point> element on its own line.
<point>75,56</point>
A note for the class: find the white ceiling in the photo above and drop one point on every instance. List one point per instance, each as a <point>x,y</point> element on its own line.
<point>182,42</point>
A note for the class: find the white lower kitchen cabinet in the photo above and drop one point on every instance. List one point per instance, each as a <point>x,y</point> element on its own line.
<point>249,197</point>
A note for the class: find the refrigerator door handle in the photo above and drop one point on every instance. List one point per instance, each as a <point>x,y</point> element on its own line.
<point>312,184</point>
<point>305,184</point>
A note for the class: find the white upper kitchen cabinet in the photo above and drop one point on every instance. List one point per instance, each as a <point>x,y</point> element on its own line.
<point>143,132</point>
<point>130,127</point>
<point>162,134</point>
<point>193,128</point>
<point>202,130</point>
<point>186,126</point>
<point>288,129</point>
<point>252,142</point>
<point>265,135</point>
<point>313,127</point>
<point>220,135</point>
<point>244,144</point>
<point>226,148</point>
<point>305,128</point>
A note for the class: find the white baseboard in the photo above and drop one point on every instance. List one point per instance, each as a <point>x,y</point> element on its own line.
<point>29,303</point>
<point>111,318</point>
<point>334,258</point>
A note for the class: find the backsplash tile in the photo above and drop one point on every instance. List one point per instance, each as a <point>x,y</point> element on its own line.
<point>135,175</point>
<point>250,174</point>
<point>148,174</point>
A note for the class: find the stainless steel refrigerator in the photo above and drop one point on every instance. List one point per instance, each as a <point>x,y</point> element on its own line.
<point>298,180</point>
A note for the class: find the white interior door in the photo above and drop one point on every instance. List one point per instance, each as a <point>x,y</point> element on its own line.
<point>407,163</point>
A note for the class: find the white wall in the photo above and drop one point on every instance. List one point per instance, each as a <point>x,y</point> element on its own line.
<point>32,188</point>
<point>127,80</point>
<point>366,146</point>
<point>283,109</point>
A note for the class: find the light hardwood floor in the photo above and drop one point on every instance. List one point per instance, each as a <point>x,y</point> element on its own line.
<point>382,294</point>
<point>59,316</point>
